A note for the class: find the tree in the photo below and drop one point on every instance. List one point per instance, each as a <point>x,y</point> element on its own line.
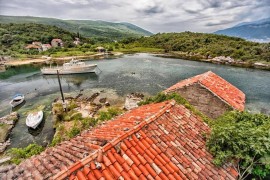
<point>244,139</point>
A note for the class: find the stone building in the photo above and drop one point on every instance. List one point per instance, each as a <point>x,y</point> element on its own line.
<point>57,43</point>
<point>210,94</point>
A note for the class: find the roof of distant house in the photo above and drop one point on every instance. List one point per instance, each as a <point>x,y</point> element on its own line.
<point>32,46</point>
<point>48,45</point>
<point>155,141</point>
<point>218,86</point>
<point>56,40</point>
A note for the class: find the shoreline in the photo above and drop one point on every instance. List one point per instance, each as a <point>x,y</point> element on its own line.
<point>236,63</point>
<point>64,58</point>
<point>177,55</point>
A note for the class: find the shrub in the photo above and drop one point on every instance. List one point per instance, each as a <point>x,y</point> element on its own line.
<point>243,138</point>
<point>19,154</point>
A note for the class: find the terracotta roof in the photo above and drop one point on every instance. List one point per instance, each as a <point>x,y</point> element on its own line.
<point>47,45</point>
<point>32,46</point>
<point>218,86</point>
<point>56,40</point>
<point>156,141</point>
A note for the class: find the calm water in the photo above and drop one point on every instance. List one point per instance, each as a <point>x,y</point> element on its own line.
<point>131,73</point>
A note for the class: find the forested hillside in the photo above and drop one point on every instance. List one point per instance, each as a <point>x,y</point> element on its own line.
<point>207,45</point>
<point>102,30</point>
<point>14,37</point>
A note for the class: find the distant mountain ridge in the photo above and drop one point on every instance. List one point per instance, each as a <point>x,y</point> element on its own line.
<point>88,28</point>
<point>255,31</point>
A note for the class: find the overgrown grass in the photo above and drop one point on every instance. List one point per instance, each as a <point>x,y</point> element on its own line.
<point>19,154</point>
<point>109,114</point>
<point>160,97</point>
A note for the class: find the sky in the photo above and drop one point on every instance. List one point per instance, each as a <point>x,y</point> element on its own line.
<point>153,15</point>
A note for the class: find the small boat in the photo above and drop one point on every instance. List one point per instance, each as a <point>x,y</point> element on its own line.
<point>73,67</point>
<point>34,119</point>
<point>17,100</point>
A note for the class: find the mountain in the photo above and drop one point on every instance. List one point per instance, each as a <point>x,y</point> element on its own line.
<point>87,28</point>
<point>255,31</point>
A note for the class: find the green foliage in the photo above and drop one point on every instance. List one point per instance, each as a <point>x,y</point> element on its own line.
<point>203,45</point>
<point>87,122</point>
<point>100,31</point>
<point>19,35</point>
<point>19,154</point>
<point>73,131</point>
<point>160,97</point>
<point>244,138</point>
<point>109,114</point>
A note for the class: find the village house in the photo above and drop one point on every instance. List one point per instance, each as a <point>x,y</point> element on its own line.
<point>46,47</point>
<point>156,141</point>
<point>210,94</point>
<point>34,47</point>
<point>100,49</point>
<point>77,41</point>
<point>57,43</point>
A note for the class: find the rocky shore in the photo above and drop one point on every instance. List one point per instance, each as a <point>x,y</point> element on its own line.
<point>6,125</point>
<point>217,60</point>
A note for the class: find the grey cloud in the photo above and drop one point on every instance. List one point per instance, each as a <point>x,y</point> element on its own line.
<point>153,15</point>
<point>153,10</point>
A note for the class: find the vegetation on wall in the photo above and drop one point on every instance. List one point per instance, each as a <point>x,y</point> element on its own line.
<point>243,139</point>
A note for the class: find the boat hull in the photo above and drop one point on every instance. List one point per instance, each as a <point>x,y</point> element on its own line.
<point>34,119</point>
<point>14,103</point>
<point>79,70</point>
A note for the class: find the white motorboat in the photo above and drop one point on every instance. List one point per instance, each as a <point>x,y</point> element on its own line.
<point>16,100</point>
<point>73,67</point>
<point>34,119</point>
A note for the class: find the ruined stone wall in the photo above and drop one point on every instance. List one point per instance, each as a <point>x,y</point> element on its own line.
<point>204,100</point>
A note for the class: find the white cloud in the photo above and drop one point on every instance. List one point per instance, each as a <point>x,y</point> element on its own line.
<point>153,15</point>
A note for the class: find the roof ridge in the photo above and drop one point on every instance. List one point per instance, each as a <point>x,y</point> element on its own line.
<point>77,165</point>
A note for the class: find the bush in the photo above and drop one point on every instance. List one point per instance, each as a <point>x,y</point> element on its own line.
<point>19,154</point>
<point>109,114</point>
<point>73,132</point>
<point>244,138</point>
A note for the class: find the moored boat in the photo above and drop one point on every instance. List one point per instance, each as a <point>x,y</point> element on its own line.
<point>73,67</point>
<point>16,100</point>
<point>34,119</point>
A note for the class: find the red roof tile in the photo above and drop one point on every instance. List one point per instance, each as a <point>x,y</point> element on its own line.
<point>164,141</point>
<point>218,86</point>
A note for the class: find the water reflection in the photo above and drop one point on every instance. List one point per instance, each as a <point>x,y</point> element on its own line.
<point>73,79</point>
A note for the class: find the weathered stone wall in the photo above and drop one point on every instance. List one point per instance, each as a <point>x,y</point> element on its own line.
<point>204,100</point>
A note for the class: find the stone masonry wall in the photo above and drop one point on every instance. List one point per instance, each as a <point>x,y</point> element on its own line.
<point>204,100</point>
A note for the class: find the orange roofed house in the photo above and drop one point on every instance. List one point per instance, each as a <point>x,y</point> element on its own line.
<point>155,141</point>
<point>210,94</point>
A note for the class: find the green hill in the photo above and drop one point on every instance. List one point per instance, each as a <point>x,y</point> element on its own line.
<point>14,37</point>
<point>206,45</point>
<point>87,28</point>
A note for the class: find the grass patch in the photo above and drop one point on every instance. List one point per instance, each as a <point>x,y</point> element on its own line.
<point>19,154</point>
<point>109,114</point>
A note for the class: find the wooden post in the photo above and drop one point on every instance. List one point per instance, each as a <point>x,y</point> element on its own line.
<point>60,86</point>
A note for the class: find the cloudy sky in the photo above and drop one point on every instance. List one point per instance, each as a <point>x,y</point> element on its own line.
<point>153,15</point>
